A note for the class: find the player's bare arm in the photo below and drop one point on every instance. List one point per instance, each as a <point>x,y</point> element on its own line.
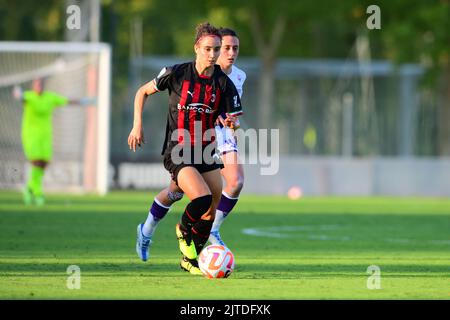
<point>136,137</point>
<point>85,101</point>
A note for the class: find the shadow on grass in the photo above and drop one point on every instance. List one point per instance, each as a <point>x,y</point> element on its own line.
<point>243,271</point>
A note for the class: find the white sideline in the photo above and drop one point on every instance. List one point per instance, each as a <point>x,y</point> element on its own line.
<point>286,232</point>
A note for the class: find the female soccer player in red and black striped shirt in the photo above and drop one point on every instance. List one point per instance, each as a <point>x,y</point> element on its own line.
<point>198,93</point>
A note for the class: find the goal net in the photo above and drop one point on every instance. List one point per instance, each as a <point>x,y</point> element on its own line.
<point>80,131</point>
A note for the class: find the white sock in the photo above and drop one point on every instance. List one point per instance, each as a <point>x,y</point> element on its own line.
<point>151,223</point>
<point>220,217</point>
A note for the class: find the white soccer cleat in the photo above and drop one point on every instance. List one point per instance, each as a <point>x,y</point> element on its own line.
<point>214,238</point>
<point>142,244</point>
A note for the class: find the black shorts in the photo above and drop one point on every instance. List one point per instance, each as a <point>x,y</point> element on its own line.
<point>213,162</point>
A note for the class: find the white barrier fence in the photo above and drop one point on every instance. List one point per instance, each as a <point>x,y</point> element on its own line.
<point>314,175</point>
<point>323,176</point>
<point>355,176</point>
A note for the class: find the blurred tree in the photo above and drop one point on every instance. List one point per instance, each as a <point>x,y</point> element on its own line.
<point>419,32</point>
<point>31,20</point>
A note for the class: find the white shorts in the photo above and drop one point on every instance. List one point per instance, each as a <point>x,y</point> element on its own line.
<point>226,141</point>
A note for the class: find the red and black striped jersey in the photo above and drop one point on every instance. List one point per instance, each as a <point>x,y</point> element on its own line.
<point>197,100</point>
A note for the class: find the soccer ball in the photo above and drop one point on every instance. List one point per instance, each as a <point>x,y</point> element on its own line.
<point>216,261</point>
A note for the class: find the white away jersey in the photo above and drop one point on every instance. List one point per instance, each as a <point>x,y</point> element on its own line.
<point>226,142</point>
<point>238,77</point>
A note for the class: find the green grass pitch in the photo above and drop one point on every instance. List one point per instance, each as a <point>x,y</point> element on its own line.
<point>312,248</point>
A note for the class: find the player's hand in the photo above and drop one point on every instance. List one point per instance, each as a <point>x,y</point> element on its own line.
<point>87,101</point>
<point>221,120</point>
<point>136,138</point>
<point>227,122</point>
<point>231,121</point>
<point>17,92</point>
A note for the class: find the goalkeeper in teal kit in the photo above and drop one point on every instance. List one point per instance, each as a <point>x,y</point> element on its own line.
<point>37,134</point>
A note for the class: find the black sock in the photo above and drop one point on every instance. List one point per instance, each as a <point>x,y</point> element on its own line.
<point>192,214</point>
<point>200,234</point>
<point>186,226</point>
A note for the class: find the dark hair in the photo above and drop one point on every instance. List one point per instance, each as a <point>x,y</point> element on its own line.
<point>228,32</point>
<point>206,29</point>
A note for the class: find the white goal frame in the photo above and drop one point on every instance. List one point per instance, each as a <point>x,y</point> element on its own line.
<point>103,99</point>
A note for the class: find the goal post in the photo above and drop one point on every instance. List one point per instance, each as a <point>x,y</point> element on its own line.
<point>76,70</point>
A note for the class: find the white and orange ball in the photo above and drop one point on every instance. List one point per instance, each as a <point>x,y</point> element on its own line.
<point>216,261</point>
<point>295,193</point>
